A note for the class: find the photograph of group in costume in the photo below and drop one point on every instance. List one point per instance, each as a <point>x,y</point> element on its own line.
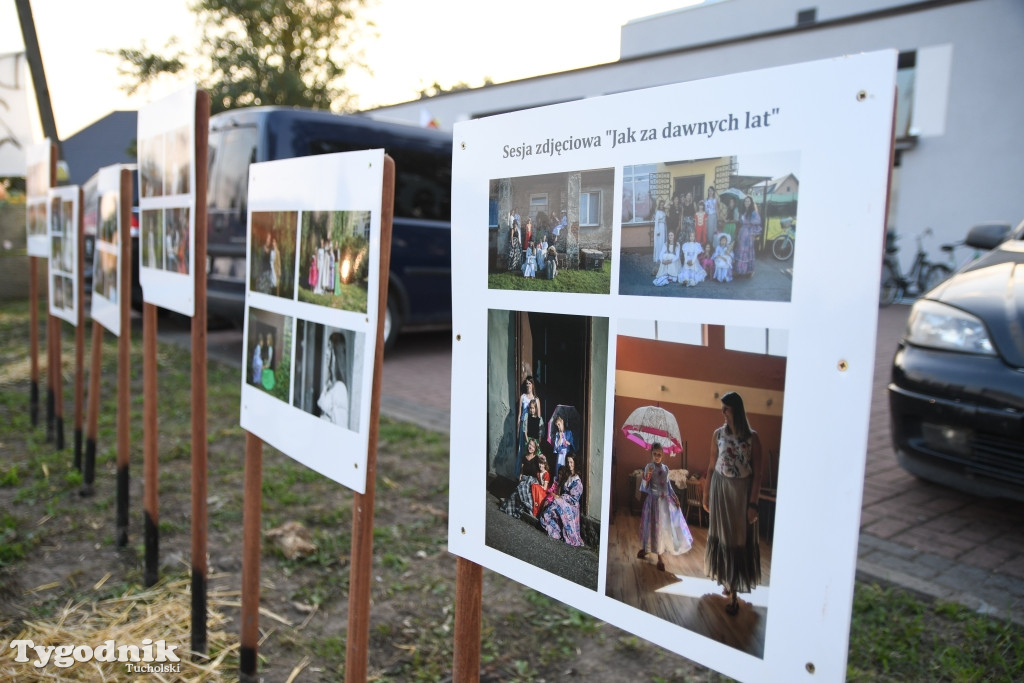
<point>63,257</point>
<point>328,373</point>
<point>268,352</point>
<point>334,259</point>
<point>546,398</point>
<point>165,163</point>
<point>272,257</point>
<point>695,457</point>
<point>106,260</point>
<point>552,232</point>
<point>706,228</point>
<point>37,184</point>
<point>165,239</point>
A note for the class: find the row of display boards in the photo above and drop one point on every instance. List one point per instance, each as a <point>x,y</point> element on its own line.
<point>794,342</point>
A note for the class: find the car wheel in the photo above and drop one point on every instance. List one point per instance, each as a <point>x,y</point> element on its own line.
<point>890,288</point>
<point>935,276</point>
<point>392,323</point>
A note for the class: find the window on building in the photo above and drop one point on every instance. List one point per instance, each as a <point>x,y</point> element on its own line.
<point>637,205</point>
<point>756,340</point>
<point>538,203</point>
<point>906,68</point>
<point>806,17</point>
<point>590,208</point>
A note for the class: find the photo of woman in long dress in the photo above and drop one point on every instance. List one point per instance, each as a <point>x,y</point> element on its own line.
<point>731,489</point>
<point>334,399</point>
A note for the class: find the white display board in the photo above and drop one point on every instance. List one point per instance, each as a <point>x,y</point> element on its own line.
<point>107,253</point>
<point>167,201</point>
<point>313,268</point>
<point>808,144</point>
<point>37,185</point>
<point>63,220</point>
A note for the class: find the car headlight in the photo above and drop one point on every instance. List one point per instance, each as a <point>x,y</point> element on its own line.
<point>939,326</point>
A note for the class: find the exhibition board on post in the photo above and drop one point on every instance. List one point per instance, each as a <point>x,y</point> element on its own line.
<point>63,218</point>
<point>167,201</point>
<point>312,282</point>
<point>108,251</point>
<point>37,185</point>
<point>615,287</point>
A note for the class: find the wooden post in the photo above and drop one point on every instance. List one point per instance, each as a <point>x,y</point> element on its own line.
<point>49,365</point>
<point>58,381</point>
<point>33,338</point>
<point>80,335</point>
<point>199,463</point>
<point>468,598</point>
<point>360,575</point>
<point>251,501</point>
<point>150,461</point>
<point>93,418</point>
<point>124,369</point>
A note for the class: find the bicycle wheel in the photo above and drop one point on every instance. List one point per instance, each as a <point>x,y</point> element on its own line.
<point>935,276</point>
<point>890,286</point>
<point>782,247</point>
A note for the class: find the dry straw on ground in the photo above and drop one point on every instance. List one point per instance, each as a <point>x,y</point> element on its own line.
<point>161,612</point>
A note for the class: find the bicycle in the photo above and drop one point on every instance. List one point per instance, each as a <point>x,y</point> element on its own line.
<point>923,273</point>
<point>782,245</point>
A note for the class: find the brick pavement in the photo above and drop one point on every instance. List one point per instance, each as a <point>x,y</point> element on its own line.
<point>926,537</point>
<point>917,535</point>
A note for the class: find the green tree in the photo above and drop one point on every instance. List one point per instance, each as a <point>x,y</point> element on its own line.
<point>253,52</point>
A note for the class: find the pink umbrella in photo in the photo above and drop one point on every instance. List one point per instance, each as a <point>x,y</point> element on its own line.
<point>649,425</point>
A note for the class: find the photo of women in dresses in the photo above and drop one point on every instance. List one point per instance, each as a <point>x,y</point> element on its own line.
<point>272,252</point>
<point>748,199</point>
<point>328,373</point>
<point>152,241</point>
<point>151,166</point>
<point>546,379</point>
<point>267,352</point>
<point>176,240</point>
<point>551,226</point>
<point>692,526</point>
<point>334,258</point>
<point>668,262</point>
<point>561,517</point>
<point>750,228</point>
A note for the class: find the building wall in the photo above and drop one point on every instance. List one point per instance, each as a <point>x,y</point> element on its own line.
<point>969,154</point>
<point>502,392</point>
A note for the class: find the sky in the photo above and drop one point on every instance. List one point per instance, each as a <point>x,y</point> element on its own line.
<point>416,44</point>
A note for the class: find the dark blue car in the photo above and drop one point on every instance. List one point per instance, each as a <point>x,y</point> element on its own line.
<point>419,281</point>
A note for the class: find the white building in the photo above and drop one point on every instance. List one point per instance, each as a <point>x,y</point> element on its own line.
<point>960,148</point>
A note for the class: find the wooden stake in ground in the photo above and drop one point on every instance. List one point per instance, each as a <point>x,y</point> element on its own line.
<point>252,498</point>
<point>468,598</point>
<point>80,335</point>
<point>50,375</point>
<point>58,382</point>
<point>33,338</point>
<point>124,369</point>
<point>150,460</point>
<point>360,576</point>
<point>50,367</point>
<point>93,418</point>
<point>199,462</point>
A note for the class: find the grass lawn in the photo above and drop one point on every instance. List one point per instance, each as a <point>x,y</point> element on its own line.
<point>350,298</point>
<point>60,573</point>
<point>584,281</point>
